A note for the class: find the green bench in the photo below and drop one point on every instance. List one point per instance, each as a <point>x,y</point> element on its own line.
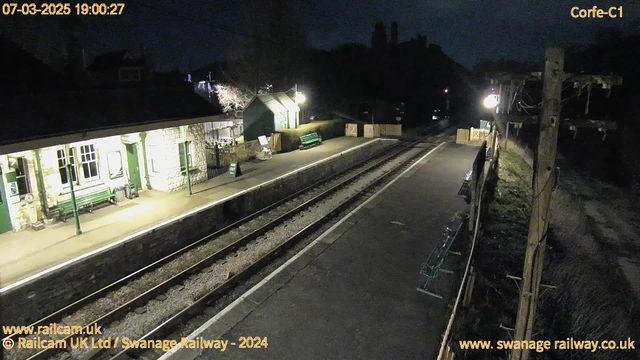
<point>430,269</point>
<point>310,140</point>
<point>85,201</point>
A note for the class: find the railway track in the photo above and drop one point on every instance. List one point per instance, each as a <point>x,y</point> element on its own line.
<point>376,169</point>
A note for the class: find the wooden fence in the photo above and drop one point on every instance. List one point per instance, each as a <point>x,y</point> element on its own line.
<point>222,157</point>
<point>374,130</point>
<point>390,129</point>
<point>351,130</point>
<point>371,130</point>
<point>462,137</point>
<point>479,134</point>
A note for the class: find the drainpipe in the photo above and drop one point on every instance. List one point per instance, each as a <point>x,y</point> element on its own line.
<point>43,191</point>
<point>185,132</point>
<point>143,137</point>
<point>186,164</point>
<point>73,194</point>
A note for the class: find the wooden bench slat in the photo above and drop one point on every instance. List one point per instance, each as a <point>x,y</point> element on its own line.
<point>84,201</point>
<point>310,139</point>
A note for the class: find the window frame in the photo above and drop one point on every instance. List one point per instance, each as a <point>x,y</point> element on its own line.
<point>121,173</point>
<point>92,157</point>
<point>189,149</point>
<point>129,69</point>
<point>22,172</point>
<point>74,170</point>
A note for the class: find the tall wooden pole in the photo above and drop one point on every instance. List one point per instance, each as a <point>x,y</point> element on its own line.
<point>544,166</point>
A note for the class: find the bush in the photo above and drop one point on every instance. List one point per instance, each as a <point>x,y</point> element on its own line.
<point>328,129</point>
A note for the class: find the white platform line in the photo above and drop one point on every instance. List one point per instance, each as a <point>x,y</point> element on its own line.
<point>242,297</point>
<point>174,219</point>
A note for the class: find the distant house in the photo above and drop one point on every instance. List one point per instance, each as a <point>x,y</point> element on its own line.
<point>269,113</point>
<point>118,67</point>
<point>116,135</point>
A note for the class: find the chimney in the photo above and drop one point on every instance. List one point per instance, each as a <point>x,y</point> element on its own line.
<point>143,51</point>
<point>394,34</point>
<point>379,36</point>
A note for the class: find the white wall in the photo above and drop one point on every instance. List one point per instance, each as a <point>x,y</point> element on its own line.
<point>165,154</point>
<point>54,188</point>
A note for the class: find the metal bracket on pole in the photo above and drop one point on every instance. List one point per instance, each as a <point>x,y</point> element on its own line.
<point>516,279</point>
<point>509,330</point>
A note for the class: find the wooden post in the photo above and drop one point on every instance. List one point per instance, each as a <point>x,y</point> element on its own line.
<point>586,107</point>
<point>544,166</point>
<point>472,188</point>
<point>468,292</point>
<point>506,139</point>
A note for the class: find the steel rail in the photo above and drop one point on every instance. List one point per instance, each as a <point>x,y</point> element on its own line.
<point>61,313</point>
<point>198,305</point>
<point>143,298</point>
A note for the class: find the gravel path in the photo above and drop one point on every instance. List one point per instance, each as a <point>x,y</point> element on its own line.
<point>139,322</point>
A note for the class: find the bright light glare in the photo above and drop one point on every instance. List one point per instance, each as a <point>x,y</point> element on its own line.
<point>491,101</point>
<point>300,98</point>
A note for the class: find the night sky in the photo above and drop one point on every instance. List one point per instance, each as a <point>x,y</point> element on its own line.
<point>469,31</point>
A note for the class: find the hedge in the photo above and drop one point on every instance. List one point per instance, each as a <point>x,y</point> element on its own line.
<point>327,129</point>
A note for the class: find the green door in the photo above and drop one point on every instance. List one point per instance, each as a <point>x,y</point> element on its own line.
<point>5,219</point>
<point>134,168</point>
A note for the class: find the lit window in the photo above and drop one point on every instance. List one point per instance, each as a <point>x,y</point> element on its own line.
<point>89,161</point>
<point>181,153</point>
<point>62,162</point>
<point>22,176</point>
<point>114,162</point>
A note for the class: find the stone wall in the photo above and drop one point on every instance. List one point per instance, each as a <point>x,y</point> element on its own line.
<point>43,295</point>
<point>163,152</point>
<point>169,178</point>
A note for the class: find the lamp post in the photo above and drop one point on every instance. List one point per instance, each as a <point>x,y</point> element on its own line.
<point>73,195</point>
<point>491,101</point>
<point>446,92</point>
<point>299,99</point>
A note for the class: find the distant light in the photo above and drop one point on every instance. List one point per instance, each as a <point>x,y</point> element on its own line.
<point>300,98</point>
<point>446,91</point>
<point>491,101</point>
<point>434,117</point>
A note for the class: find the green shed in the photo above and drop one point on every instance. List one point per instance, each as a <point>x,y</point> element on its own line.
<point>268,113</point>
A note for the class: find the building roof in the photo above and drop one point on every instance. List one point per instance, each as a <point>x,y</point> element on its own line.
<point>115,59</point>
<point>34,117</point>
<point>23,73</point>
<point>277,102</point>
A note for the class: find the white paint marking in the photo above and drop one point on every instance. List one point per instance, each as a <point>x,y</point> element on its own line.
<point>243,297</point>
<point>179,217</point>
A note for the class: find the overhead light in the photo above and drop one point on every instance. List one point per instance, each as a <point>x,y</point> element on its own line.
<point>300,98</point>
<point>491,101</point>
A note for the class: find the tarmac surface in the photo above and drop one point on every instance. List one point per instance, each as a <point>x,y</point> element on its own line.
<point>27,253</point>
<point>352,294</point>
